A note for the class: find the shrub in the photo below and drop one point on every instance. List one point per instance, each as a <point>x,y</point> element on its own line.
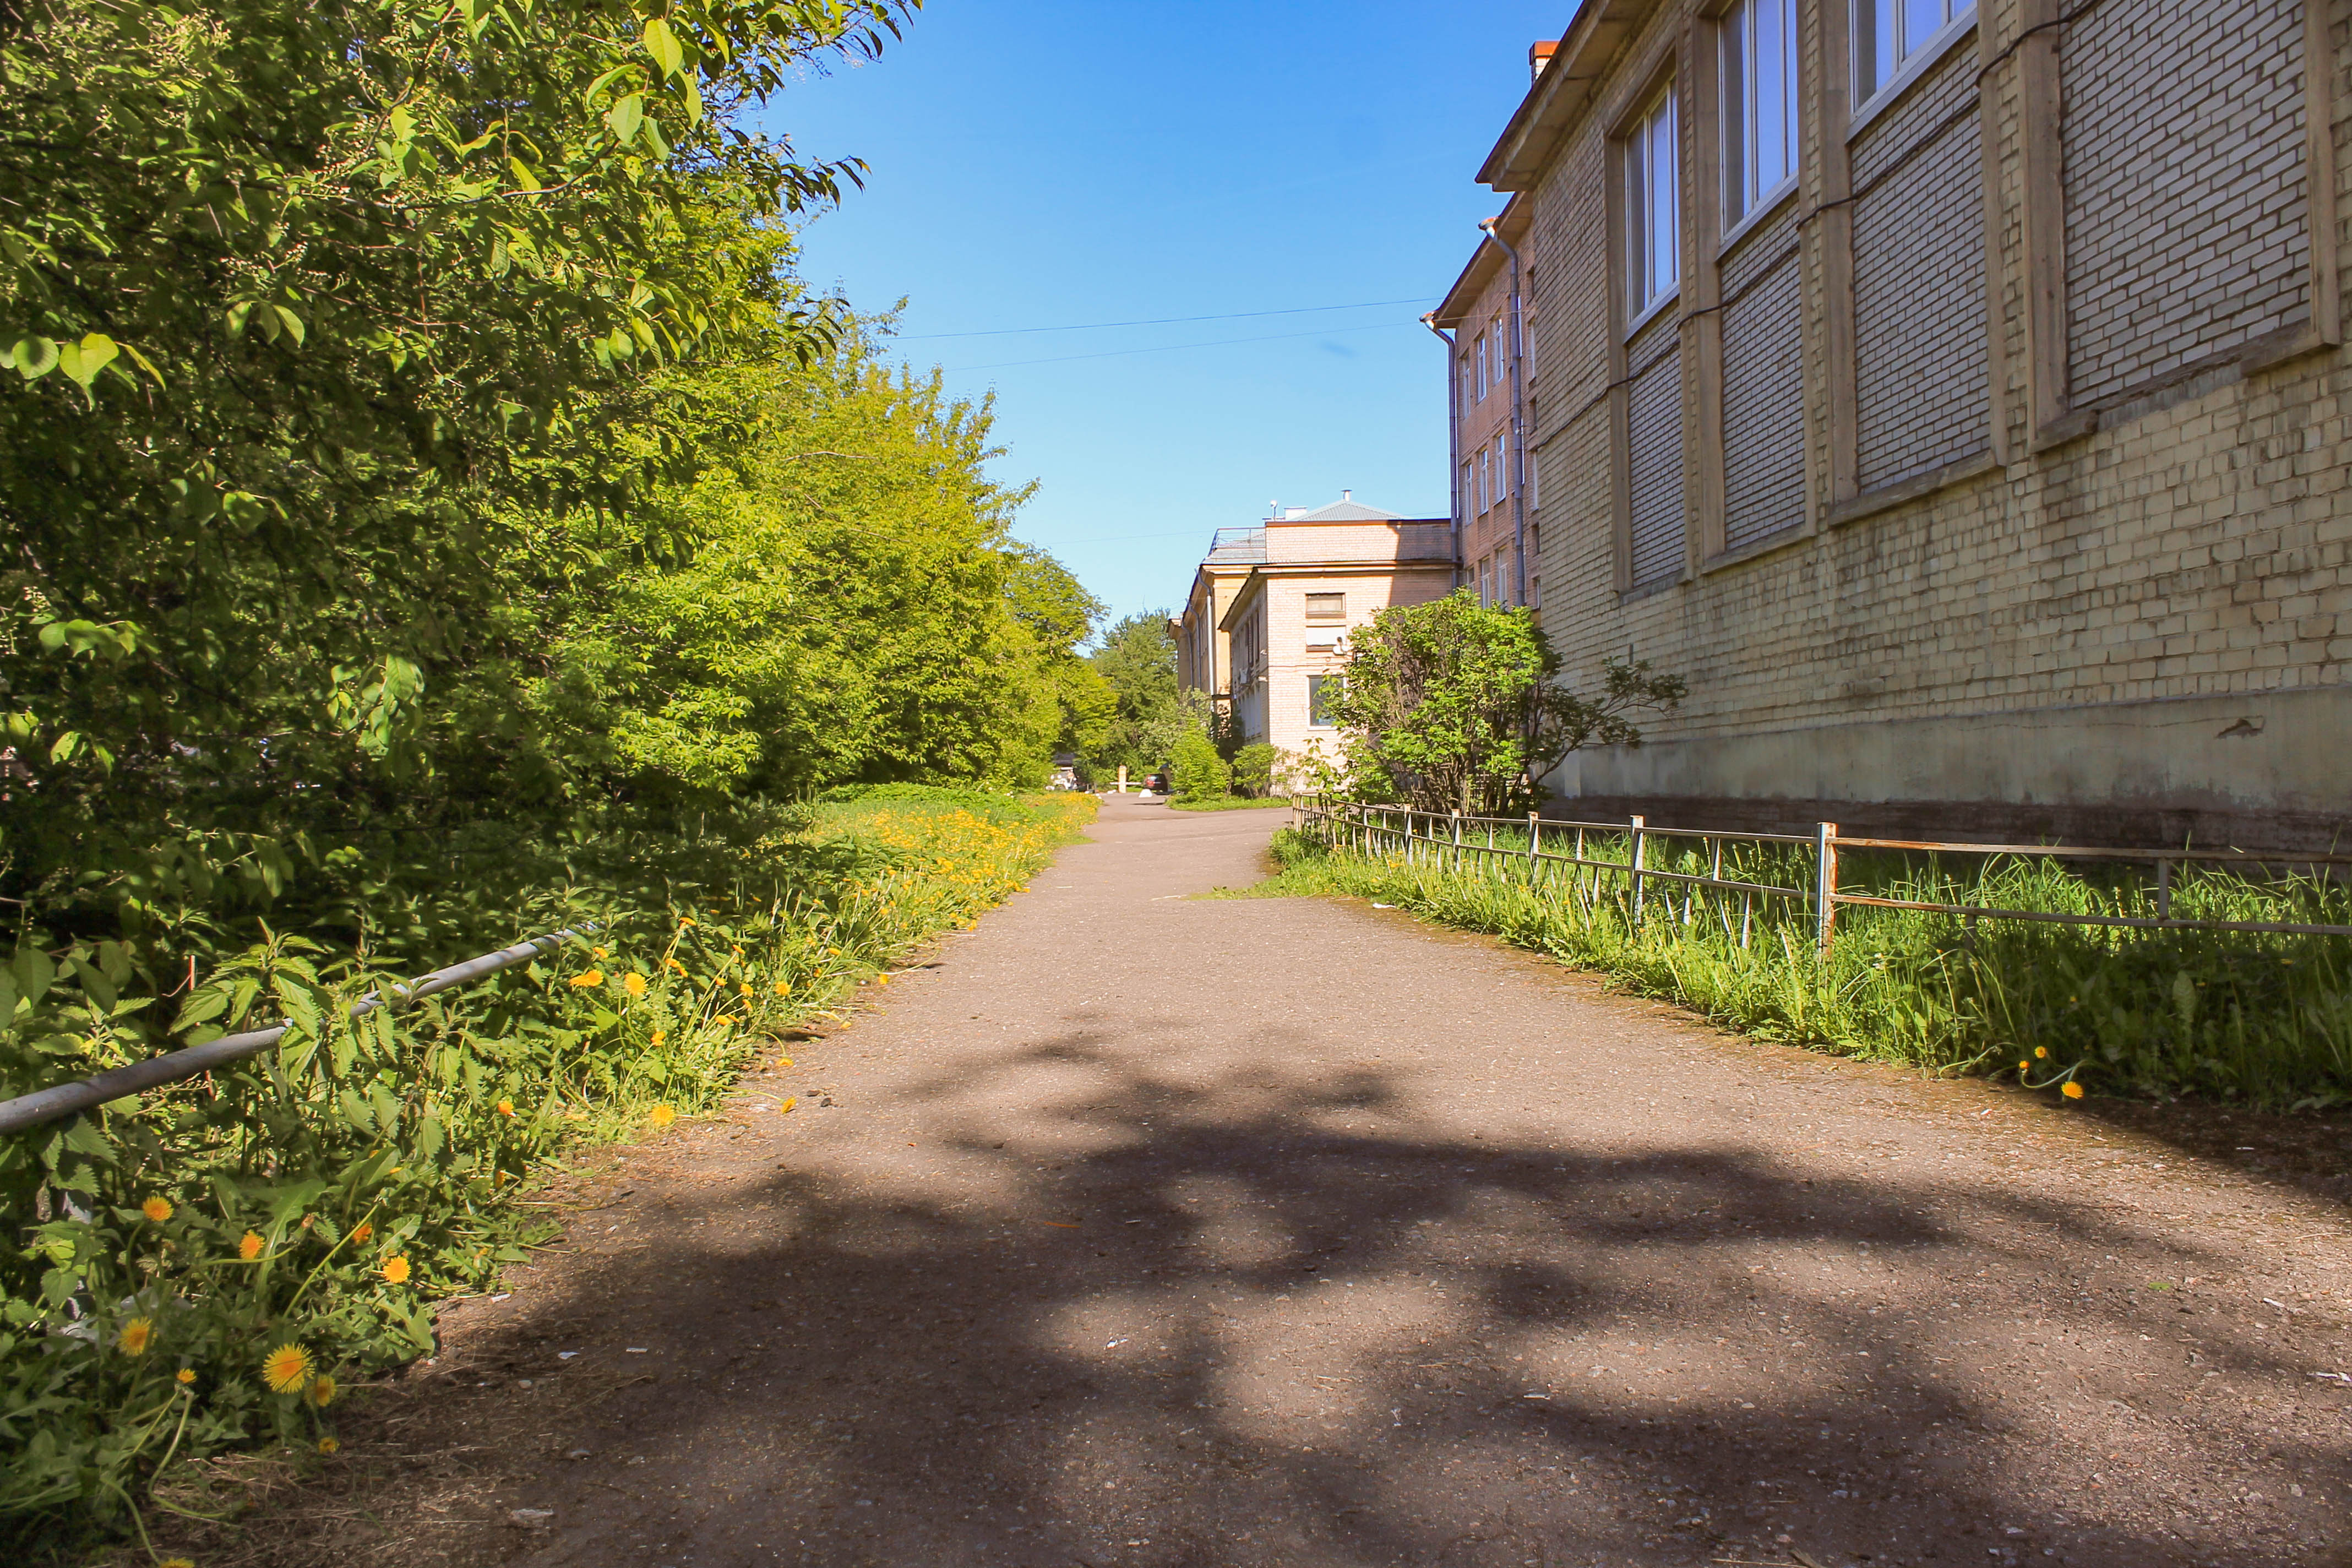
<point>1198,773</point>
<point>1254,768</point>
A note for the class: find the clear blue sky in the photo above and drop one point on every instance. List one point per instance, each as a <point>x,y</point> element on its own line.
<point>1046,163</point>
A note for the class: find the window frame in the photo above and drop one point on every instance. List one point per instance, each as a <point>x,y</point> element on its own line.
<point>1315,719</point>
<point>1336,617</point>
<point>1736,111</point>
<point>1910,63</point>
<point>1637,154</point>
<point>1483,381</point>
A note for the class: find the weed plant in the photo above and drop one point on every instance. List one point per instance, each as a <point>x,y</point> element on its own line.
<point>2257,1019</point>
<point>209,1264</point>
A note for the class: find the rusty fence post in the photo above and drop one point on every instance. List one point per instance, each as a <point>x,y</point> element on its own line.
<point>1824,886</point>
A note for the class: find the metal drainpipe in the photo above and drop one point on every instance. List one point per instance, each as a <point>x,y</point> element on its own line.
<point>1452,440</point>
<point>1519,425</point>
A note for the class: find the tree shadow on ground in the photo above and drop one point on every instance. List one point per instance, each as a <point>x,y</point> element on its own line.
<point>1317,1333</point>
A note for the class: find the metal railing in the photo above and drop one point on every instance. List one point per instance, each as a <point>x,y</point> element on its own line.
<point>64,1100</point>
<point>1432,839</point>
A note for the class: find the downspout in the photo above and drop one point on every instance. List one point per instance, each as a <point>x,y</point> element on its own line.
<point>1452,440</point>
<point>1519,425</point>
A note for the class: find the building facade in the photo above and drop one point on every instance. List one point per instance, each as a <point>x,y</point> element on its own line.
<point>1483,322</point>
<point>1271,605</point>
<point>1955,397</point>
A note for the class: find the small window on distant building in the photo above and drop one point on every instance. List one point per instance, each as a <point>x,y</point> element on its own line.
<point>1320,690</point>
<point>1326,607</point>
<point>1482,367</point>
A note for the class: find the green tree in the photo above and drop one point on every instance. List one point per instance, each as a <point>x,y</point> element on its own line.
<point>1254,768</point>
<point>1137,660</point>
<point>1197,772</point>
<point>1455,707</point>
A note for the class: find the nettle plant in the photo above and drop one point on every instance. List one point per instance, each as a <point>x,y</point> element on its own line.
<point>1453,706</point>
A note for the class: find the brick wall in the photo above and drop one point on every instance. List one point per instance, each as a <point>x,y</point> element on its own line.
<point>2176,575</point>
<point>2185,219</point>
<point>1654,426</point>
<point>1763,383</point>
<point>1918,278</point>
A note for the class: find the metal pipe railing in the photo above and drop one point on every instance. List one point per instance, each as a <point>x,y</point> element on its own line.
<point>63,1100</point>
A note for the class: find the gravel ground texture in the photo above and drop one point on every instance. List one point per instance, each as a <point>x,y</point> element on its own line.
<point>1132,1228</point>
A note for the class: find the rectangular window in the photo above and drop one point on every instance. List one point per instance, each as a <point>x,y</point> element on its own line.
<point>1320,690</point>
<point>1485,478</point>
<point>1327,606</point>
<point>1759,103</point>
<point>1468,503</point>
<point>1888,32</point>
<point>1654,225</point>
<point>1481,353</point>
<point>1503,465</point>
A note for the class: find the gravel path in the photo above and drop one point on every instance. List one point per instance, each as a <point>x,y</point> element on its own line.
<point>1140,1229</point>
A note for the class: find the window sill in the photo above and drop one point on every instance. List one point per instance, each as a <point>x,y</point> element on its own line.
<point>1650,313</point>
<point>1779,197</point>
<point>1650,590</point>
<point>1921,62</point>
<point>1886,497</point>
<point>2180,385</point>
<point>1771,543</point>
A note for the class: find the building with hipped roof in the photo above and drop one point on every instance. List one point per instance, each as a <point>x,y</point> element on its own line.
<point>1271,603</point>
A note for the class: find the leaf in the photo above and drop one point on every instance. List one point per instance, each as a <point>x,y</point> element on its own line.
<point>35,973</point>
<point>662,44</point>
<point>291,323</point>
<point>624,117</point>
<point>82,362</point>
<point>34,357</point>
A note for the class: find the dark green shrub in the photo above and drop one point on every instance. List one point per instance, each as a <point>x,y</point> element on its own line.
<point>1254,768</point>
<point>1198,773</point>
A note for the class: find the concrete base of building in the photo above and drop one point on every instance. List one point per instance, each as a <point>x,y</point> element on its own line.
<point>2269,772</point>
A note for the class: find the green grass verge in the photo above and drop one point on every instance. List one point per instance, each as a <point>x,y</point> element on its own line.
<point>199,1268</point>
<point>2261,1020</point>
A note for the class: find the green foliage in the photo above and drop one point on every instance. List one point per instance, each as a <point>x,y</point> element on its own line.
<point>1197,772</point>
<point>1254,768</point>
<point>1453,706</point>
<point>321,1195</point>
<point>2231,1017</point>
<point>1137,660</point>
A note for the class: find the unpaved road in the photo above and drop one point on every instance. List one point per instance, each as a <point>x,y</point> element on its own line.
<point>1143,1230</point>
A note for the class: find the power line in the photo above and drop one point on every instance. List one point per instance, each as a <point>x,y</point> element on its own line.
<point>1158,322</point>
<point>1170,348</point>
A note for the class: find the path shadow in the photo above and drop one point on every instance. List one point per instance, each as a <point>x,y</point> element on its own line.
<point>1225,1339</point>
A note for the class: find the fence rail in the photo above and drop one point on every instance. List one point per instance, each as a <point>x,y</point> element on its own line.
<point>1424,837</point>
<point>63,1100</point>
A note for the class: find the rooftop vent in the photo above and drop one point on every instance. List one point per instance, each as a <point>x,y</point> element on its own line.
<point>1539,56</point>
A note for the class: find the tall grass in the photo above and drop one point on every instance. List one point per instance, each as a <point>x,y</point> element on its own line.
<point>2258,1019</point>
<point>194,1269</point>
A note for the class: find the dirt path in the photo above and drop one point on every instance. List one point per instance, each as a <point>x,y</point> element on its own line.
<point>1148,1231</point>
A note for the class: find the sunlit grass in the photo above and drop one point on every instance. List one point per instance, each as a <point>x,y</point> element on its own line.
<point>2262,1019</point>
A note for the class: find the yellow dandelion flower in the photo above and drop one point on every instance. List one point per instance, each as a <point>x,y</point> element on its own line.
<point>506,1108</point>
<point>250,1247</point>
<point>587,978</point>
<point>599,952</point>
<point>784,988</point>
<point>158,1209</point>
<point>784,1061</point>
<point>360,1232</point>
<point>674,963</point>
<point>786,1106</point>
<point>634,983</point>
<point>286,1369</point>
<point>135,1335</point>
<point>394,1270</point>
<point>2024,1067</point>
<point>186,1374</point>
<point>746,988</point>
<point>736,951</point>
<point>327,1445</point>
<point>684,922</point>
<point>660,1035</point>
<point>661,1116</point>
<point>322,1390</point>
<point>2039,1051</point>
<point>2071,1090</point>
